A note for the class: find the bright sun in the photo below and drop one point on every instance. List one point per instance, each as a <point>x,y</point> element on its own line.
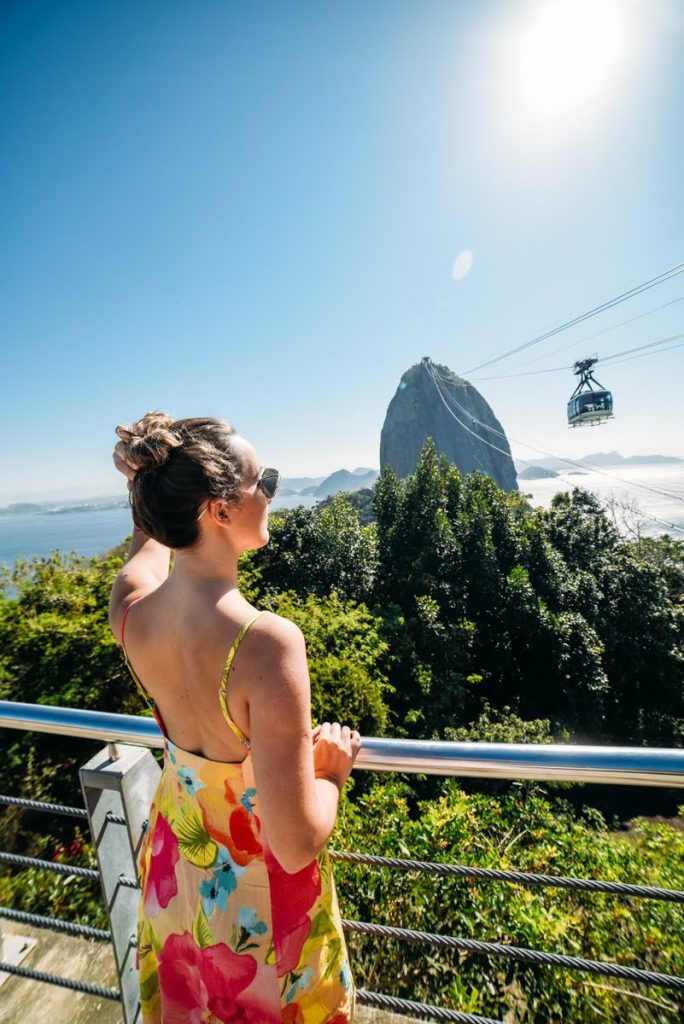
<point>567,57</point>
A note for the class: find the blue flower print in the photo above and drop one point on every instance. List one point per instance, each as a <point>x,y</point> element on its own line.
<point>301,982</point>
<point>190,781</point>
<point>248,920</point>
<point>171,747</point>
<point>217,889</point>
<point>346,977</point>
<point>246,801</point>
<point>224,862</point>
<point>250,926</point>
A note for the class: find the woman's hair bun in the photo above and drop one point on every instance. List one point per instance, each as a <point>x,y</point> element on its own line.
<point>149,441</point>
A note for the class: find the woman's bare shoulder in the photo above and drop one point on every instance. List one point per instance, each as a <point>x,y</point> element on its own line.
<point>276,633</point>
<point>274,649</point>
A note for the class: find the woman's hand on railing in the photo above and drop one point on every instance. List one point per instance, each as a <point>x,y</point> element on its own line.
<point>335,748</point>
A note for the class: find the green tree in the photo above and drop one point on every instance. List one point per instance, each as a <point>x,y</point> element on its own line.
<point>361,500</point>
<point>549,613</point>
<point>56,648</point>
<point>315,551</point>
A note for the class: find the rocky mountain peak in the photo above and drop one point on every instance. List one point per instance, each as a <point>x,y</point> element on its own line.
<point>432,401</point>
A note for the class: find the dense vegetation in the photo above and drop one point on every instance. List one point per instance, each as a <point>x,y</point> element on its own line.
<point>448,610</point>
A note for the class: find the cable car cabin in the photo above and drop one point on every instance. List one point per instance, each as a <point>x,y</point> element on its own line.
<point>590,407</point>
<point>590,402</point>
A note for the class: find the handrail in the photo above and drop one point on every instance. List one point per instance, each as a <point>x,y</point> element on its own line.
<point>625,766</point>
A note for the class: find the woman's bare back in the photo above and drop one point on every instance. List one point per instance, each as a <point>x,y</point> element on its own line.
<point>178,644</point>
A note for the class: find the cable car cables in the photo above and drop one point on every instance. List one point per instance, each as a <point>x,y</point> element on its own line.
<point>606,359</point>
<point>575,343</point>
<point>666,275</point>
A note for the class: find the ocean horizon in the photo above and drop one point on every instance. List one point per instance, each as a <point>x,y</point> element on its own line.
<point>642,493</point>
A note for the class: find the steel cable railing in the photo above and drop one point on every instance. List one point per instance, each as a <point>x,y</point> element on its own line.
<point>48,808</point>
<point>56,924</point>
<point>519,953</point>
<point>56,979</point>
<point>43,805</point>
<point>645,892</point>
<point>394,1003</point>
<point>17,860</point>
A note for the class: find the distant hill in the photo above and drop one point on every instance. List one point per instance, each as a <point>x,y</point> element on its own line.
<point>599,459</point>
<point>47,508</point>
<point>296,484</point>
<point>615,459</point>
<point>536,473</point>
<point>18,508</point>
<point>325,487</point>
<point>343,480</point>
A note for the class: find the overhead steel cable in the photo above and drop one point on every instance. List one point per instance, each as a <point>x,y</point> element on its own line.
<point>644,355</point>
<point>571,462</point>
<point>641,348</point>
<point>604,330</point>
<point>646,515</point>
<point>666,275</point>
<point>603,360</point>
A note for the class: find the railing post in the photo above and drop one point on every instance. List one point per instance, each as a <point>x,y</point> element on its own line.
<point>119,782</point>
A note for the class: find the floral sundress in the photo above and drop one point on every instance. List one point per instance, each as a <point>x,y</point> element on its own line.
<point>225,934</point>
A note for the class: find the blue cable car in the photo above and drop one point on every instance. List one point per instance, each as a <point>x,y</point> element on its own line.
<point>590,403</point>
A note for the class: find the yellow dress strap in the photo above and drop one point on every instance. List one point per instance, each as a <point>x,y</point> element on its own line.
<point>223,697</point>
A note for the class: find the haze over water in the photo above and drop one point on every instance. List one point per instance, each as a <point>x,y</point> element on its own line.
<point>91,531</point>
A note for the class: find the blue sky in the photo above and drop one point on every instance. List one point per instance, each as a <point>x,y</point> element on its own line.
<point>253,211</point>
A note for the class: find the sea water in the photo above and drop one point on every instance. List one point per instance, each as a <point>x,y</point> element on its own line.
<point>656,490</point>
<point>86,530</point>
<point>639,494</point>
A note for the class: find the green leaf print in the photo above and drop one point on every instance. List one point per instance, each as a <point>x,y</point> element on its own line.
<point>201,931</point>
<point>147,939</point>
<point>332,959</point>
<point>322,924</point>
<point>149,976</point>
<point>155,941</point>
<point>194,842</point>
<point>149,988</point>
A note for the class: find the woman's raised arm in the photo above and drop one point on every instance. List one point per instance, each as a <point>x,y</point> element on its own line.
<point>147,564</point>
<point>146,568</point>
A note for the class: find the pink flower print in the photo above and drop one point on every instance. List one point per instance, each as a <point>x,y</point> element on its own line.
<point>161,885</point>
<point>292,897</point>
<point>213,983</point>
<point>257,1004</point>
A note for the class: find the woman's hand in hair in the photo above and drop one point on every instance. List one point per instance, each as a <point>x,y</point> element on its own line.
<point>124,467</point>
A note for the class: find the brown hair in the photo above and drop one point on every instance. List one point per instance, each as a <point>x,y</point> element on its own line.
<point>179,465</point>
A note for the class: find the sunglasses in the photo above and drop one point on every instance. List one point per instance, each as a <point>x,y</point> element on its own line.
<point>269,481</point>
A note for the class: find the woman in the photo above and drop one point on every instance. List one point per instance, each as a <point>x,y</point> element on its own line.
<point>238,917</point>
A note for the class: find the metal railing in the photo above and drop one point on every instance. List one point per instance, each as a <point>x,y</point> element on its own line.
<point>567,763</point>
<point>627,766</point>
